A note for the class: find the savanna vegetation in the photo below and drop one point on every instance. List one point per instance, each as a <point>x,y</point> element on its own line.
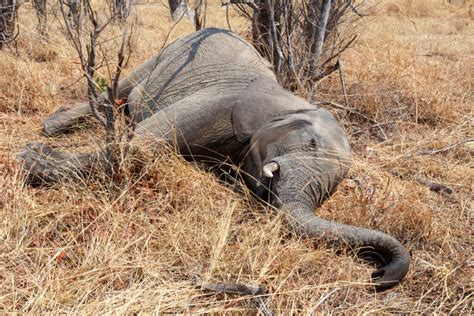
<point>87,248</point>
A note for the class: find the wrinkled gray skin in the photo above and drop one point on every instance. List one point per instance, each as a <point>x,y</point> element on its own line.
<point>214,98</point>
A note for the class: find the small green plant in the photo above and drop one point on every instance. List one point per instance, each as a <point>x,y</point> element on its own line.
<point>101,83</point>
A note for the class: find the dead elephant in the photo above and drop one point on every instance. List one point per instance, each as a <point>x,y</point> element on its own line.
<point>211,95</point>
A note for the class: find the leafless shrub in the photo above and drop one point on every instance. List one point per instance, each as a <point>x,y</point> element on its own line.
<point>302,38</point>
<point>120,9</point>
<point>73,13</point>
<point>40,8</point>
<point>8,21</point>
<point>84,31</point>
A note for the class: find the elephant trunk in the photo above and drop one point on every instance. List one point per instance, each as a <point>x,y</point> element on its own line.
<point>299,193</point>
<point>396,259</point>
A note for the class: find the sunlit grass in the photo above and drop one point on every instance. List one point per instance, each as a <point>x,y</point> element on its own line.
<point>74,249</point>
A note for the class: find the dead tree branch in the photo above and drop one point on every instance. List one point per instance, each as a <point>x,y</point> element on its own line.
<point>8,21</point>
<point>354,112</point>
<point>87,28</point>
<point>259,294</point>
<point>343,82</point>
<point>432,185</point>
<point>447,148</point>
<point>273,35</point>
<point>40,8</point>
<point>300,37</point>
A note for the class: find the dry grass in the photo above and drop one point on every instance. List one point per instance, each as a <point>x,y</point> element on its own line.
<point>74,249</point>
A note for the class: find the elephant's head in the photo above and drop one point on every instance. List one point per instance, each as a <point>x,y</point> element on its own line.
<point>301,156</point>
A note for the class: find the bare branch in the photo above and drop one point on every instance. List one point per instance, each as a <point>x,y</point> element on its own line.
<point>40,8</point>
<point>448,148</point>
<point>287,8</point>
<point>278,54</point>
<point>355,112</point>
<point>343,82</point>
<point>9,30</point>
<point>434,186</point>
<point>354,9</point>
<point>258,294</point>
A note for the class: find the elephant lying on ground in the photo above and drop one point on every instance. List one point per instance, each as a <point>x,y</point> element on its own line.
<point>214,98</point>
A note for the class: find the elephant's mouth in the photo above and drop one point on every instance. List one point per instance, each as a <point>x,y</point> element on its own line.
<point>295,181</point>
<point>266,184</point>
<point>272,187</point>
<point>288,179</point>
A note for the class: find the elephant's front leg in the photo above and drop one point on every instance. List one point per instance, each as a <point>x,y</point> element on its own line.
<point>64,119</point>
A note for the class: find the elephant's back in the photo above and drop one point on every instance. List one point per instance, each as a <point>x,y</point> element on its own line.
<point>208,59</point>
<point>213,46</point>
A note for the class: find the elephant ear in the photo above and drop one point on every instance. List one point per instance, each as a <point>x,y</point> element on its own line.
<point>258,103</point>
<point>243,122</point>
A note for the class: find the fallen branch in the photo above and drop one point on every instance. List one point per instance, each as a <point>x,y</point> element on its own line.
<point>432,185</point>
<point>259,295</point>
<point>448,148</point>
<point>355,112</point>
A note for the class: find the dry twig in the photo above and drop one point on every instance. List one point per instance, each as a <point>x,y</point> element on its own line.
<point>343,82</point>
<point>432,185</point>
<point>259,294</point>
<point>355,112</point>
<point>447,148</point>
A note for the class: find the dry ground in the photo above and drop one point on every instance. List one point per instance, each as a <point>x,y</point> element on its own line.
<point>73,249</point>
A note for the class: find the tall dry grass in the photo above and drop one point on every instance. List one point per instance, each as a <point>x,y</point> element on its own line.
<point>74,249</point>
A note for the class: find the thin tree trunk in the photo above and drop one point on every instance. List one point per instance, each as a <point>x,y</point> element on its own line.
<point>173,4</point>
<point>262,38</point>
<point>8,18</point>
<point>40,8</point>
<point>321,31</point>
<point>275,45</point>
<point>287,9</point>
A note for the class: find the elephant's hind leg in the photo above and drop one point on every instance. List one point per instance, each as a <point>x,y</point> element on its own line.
<point>64,119</point>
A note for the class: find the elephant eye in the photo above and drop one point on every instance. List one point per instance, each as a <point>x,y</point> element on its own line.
<point>313,143</point>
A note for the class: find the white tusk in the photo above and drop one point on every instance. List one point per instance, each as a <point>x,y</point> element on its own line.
<point>269,169</point>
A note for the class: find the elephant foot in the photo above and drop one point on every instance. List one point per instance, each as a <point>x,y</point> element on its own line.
<point>44,165</point>
<point>64,119</point>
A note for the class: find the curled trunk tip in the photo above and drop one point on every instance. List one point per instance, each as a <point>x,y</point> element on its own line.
<point>395,256</point>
